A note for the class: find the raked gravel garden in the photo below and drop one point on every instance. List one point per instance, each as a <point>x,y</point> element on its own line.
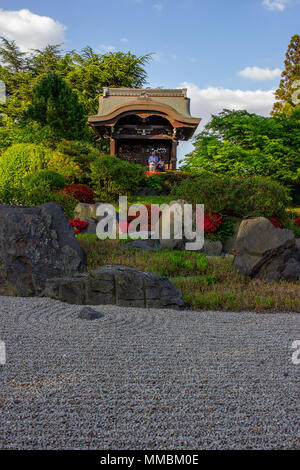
<point>146,379</point>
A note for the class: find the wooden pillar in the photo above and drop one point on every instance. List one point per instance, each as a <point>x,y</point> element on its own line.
<point>173,155</point>
<point>112,146</point>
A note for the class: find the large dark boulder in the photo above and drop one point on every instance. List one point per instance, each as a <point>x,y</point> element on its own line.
<point>116,285</point>
<point>266,252</point>
<point>35,243</point>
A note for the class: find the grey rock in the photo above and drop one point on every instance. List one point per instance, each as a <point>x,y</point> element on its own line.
<point>116,285</point>
<point>88,313</point>
<point>92,225</point>
<point>36,243</point>
<point>142,245</point>
<point>84,211</point>
<point>88,213</point>
<point>172,243</point>
<point>291,271</point>
<point>266,252</point>
<point>212,248</point>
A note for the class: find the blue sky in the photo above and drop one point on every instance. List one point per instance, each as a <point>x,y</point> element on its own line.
<point>228,53</point>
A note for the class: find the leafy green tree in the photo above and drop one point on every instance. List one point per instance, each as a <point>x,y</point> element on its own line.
<point>290,75</point>
<point>86,72</point>
<point>56,106</point>
<point>14,74</point>
<point>44,61</point>
<point>11,55</point>
<point>238,143</point>
<point>91,71</point>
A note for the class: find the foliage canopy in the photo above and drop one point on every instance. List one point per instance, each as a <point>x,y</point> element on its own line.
<point>238,143</point>
<point>290,75</point>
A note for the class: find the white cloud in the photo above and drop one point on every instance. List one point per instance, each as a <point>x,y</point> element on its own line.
<point>257,73</point>
<point>207,101</point>
<point>158,6</point>
<point>30,31</point>
<point>212,100</point>
<point>275,4</point>
<point>107,48</point>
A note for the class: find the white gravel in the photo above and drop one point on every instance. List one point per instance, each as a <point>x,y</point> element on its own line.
<point>146,379</point>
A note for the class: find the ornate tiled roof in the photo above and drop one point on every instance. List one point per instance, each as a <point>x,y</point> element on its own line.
<point>114,98</point>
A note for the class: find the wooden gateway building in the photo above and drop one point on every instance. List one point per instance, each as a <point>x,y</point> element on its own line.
<point>141,121</point>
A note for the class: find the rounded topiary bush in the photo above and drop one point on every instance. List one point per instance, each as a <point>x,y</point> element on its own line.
<point>80,154</point>
<point>238,197</point>
<point>112,177</point>
<point>44,179</point>
<point>19,160</point>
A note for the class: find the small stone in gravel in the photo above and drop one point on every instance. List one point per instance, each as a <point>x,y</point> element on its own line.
<point>88,313</point>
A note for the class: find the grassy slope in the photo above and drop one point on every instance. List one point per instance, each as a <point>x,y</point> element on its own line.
<point>206,284</point>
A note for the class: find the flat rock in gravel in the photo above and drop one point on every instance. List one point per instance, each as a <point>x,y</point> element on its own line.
<point>88,313</point>
<point>35,243</point>
<point>116,285</point>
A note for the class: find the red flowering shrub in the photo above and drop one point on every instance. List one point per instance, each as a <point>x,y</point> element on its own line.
<point>78,225</point>
<point>297,222</point>
<point>211,222</point>
<point>276,222</point>
<point>150,209</point>
<point>81,192</point>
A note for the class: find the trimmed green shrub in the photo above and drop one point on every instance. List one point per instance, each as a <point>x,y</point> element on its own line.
<point>112,177</point>
<point>19,160</point>
<point>295,193</point>
<point>166,181</point>
<point>44,179</point>
<point>29,132</point>
<point>11,195</point>
<point>82,154</point>
<point>174,178</point>
<point>156,181</point>
<point>238,197</point>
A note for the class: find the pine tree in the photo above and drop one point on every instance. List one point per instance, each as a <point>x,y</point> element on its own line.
<point>290,74</point>
<point>55,105</point>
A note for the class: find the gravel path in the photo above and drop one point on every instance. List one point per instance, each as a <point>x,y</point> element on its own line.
<point>146,379</point>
